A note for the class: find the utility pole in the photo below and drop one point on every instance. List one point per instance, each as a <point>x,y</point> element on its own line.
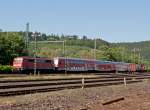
<point>95,48</point>
<point>122,54</point>
<point>64,55</point>
<point>136,52</point>
<point>139,61</point>
<point>63,48</point>
<point>27,35</point>
<point>95,51</point>
<point>35,53</point>
<point>142,59</point>
<point>35,48</point>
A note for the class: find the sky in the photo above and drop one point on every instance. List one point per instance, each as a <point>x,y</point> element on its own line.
<point>110,20</point>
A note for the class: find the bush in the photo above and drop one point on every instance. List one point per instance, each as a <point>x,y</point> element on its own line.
<point>6,69</point>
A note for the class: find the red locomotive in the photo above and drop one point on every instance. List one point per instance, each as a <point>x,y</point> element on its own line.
<point>27,64</point>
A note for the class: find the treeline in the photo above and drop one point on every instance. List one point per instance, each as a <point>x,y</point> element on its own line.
<point>14,44</point>
<point>70,39</point>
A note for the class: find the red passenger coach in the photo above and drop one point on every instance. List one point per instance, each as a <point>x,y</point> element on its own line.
<point>74,64</point>
<point>27,64</point>
<point>105,66</point>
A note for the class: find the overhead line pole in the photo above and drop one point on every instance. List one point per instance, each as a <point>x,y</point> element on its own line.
<point>27,35</point>
<point>65,58</point>
<point>35,55</point>
<point>122,54</point>
<point>95,51</point>
<point>35,48</point>
<point>139,61</point>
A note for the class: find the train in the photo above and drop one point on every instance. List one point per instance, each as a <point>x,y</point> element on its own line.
<point>26,64</point>
<point>57,64</point>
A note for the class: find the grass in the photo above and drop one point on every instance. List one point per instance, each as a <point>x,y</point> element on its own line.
<point>46,76</point>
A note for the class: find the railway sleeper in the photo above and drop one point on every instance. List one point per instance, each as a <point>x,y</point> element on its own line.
<point>61,88</point>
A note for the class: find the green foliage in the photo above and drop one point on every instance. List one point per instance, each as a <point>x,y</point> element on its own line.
<point>143,46</point>
<point>6,68</point>
<point>74,47</point>
<point>147,64</point>
<point>11,45</point>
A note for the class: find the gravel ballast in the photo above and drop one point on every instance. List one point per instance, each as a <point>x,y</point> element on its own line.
<point>88,98</point>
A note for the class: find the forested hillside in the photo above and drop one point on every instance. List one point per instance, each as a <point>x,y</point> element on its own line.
<point>143,47</point>
<point>13,44</point>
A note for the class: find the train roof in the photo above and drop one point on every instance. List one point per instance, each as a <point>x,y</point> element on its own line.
<point>72,58</point>
<point>29,57</point>
<point>83,59</point>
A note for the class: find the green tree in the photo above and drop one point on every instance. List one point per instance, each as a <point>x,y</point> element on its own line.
<point>11,45</point>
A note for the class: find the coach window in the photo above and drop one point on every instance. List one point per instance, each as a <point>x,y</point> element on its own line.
<point>47,61</point>
<point>60,62</point>
<point>82,61</point>
<point>37,61</point>
<point>25,60</point>
<point>30,60</point>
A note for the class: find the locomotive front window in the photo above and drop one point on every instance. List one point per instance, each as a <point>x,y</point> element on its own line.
<point>18,60</point>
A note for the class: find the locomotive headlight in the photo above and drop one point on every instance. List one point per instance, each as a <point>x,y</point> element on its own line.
<point>56,62</point>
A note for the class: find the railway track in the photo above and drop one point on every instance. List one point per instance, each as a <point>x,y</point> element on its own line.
<point>60,82</point>
<point>99,75</point>
<point>8,88</point>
